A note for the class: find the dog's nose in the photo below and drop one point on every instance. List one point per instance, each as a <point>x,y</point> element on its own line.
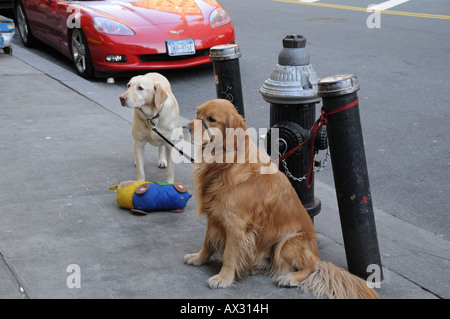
<point>123,100</point>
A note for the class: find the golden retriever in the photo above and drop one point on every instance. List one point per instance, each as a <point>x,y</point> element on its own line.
<point>152,99</point>
<point>255,219</point>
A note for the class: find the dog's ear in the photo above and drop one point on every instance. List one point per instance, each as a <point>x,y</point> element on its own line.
<point>236,133</point>
<point>235,120</point>
<point>160,95</point>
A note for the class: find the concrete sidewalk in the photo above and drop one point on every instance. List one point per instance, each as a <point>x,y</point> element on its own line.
<point>60,150</point>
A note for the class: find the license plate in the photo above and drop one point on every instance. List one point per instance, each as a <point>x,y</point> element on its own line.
<point>180,47</point>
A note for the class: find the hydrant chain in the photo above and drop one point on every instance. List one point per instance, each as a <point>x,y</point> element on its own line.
<point>290,176</point>
<point>323,163</point>
<point>319,168</point>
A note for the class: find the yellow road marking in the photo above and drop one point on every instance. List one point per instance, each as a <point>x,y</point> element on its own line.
<point>399,13</point>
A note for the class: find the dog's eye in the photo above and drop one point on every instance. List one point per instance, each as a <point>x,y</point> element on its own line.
<point>211,119</point>
<point>140,88</point>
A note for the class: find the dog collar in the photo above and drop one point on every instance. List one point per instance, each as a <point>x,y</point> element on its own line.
<point>150,121</point>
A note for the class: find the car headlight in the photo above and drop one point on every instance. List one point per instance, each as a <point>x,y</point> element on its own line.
<point>219,17</point>
<point>111,27</point>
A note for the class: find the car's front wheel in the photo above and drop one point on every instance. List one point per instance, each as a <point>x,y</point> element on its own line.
<point>23,26</point>
<point>80,54</point>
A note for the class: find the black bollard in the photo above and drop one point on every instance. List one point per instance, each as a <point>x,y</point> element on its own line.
<point>351,178</point>
<point>227,74</point>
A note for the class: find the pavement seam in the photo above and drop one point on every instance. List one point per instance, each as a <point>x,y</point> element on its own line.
<point>13,277</point>
<point>415,283</point>
<point>392,270</point>
<point>86,96</point>
<point>43,72</point>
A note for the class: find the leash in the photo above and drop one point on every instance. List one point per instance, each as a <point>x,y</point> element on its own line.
<point>321,121</point>
<point>154,129</point>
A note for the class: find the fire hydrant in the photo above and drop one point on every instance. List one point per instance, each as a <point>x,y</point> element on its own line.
<point>291,90</point>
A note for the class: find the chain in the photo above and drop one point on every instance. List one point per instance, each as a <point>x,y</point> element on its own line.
<point>319,168</point>
<point>290,176</point>
<point>323,162</point>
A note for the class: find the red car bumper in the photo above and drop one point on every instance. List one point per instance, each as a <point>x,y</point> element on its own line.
<point>147,49</point>
<point>135,62</point>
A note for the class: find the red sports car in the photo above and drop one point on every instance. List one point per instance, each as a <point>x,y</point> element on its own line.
<point>112,36</point>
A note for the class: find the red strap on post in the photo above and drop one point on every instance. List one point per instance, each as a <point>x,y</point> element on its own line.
<point>321,121</point>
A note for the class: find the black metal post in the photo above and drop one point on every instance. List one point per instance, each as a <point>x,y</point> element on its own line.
<point>350,174</point>
<point>227,74</point>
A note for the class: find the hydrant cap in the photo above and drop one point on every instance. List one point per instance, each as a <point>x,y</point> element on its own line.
<point>293,80</point>
<point>294,52</point>
<point>294,41</point>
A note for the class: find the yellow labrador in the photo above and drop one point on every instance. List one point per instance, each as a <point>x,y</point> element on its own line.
<point>152,99</point>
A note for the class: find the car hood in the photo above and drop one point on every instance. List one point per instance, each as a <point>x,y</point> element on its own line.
<point>150,12</point>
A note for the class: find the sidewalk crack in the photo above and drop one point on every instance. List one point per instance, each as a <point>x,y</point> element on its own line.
<point>13,277</point>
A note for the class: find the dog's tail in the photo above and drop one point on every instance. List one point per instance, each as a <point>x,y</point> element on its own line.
<point>334,282</point>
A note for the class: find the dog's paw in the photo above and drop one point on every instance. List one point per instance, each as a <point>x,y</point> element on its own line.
<point>218,281</point>
<point>287,281</point>
<point>193,259</point>
<point>162,164</point>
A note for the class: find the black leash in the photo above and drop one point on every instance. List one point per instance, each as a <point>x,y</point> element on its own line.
<point>153,125</point>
